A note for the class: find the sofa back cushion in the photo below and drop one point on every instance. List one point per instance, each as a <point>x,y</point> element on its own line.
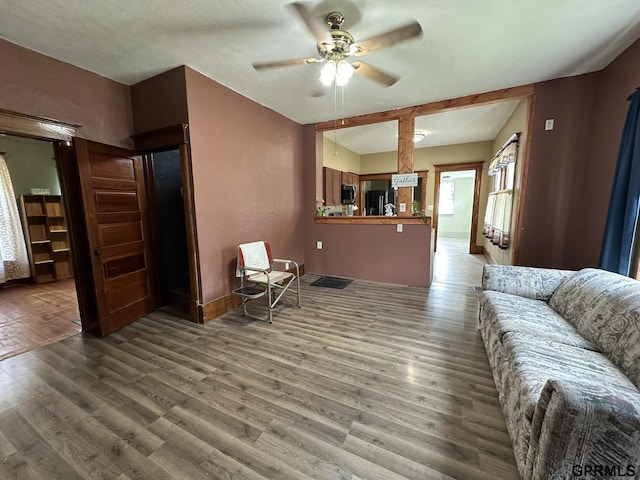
<point>530,282</point>
<point>605,309</point>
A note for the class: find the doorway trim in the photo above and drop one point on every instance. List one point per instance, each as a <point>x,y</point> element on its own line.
<point>177,137</point>
<point>36,127</point>
<point>459,167</point>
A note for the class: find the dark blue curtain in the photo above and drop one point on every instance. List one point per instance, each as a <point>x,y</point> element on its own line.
<point>623,207</point>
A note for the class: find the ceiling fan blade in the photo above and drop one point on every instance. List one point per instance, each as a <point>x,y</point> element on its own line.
<point>286,63</point>
<point>389,38</point>
<point>374,74</point>
<point>318,29</point>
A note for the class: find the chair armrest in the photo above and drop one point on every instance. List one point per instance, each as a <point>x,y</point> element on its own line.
<point>281,260</point>
<point>578,426</point>
<point>254,269</point>
<point>530,282</point>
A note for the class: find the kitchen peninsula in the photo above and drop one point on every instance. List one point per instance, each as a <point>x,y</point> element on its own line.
<point>384,249</point>
<point>364,244</point>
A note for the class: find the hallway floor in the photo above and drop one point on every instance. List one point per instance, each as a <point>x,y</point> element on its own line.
<point>453,264</point>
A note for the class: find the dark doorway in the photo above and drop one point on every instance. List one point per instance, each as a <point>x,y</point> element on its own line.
<point>167,205</point>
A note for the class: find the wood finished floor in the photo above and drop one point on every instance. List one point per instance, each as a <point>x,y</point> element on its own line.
<point>32,315</point>
<point>369,382</point>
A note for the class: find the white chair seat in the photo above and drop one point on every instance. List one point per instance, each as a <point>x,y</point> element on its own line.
<point>274,277</point>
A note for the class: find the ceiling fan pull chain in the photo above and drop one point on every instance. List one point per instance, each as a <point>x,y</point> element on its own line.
<point>335,119</point>
<point>342,103</point>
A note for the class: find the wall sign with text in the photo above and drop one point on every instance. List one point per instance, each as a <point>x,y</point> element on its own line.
<point>404,180</point>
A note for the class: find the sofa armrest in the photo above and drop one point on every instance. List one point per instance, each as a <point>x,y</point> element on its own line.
<point>584,430</point>
<point>530,282</point>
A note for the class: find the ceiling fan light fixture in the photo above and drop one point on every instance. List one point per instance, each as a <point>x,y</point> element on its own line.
<point>328,73</point>
<point>344,72</point>
<point>341,71</point>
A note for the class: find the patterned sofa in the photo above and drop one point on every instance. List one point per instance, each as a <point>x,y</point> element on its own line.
<point>564,348</point>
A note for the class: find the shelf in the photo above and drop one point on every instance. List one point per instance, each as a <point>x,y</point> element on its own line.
<point>45,231</point>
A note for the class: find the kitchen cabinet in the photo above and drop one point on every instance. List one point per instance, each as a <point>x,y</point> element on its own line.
<point>45,232</point>
<point>349,178</point>
<point>332,186</point>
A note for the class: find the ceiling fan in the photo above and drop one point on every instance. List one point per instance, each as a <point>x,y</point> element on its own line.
<point>336,46</point>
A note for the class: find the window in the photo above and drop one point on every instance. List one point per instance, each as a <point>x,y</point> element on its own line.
<point>497,220</point>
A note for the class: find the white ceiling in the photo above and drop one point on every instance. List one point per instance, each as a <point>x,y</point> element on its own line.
<point>467,46</point>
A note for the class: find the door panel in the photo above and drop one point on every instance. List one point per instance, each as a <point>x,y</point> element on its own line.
<point>121,233</point>
<point>115,205</point>
<point>116,201</point>
<point>123,265</point>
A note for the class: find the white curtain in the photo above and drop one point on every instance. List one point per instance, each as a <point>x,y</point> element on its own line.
<point>497,219</point>
<point>14,262</point>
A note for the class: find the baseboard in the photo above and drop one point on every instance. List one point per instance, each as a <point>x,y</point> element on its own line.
<point>490,260</point>
<point>220,306</point>
<point>477,249</point>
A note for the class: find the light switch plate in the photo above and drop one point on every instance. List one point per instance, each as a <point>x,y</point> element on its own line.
<point>430,208</point>
<point>319,245</point>
<point>403,207</point>
<point>548,124</point>
<point>399,228</point>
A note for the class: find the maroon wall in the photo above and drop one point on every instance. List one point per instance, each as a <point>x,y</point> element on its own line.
<point>160,101</point>
<point>571,167</point>
<point>247,169</point>
<point>617,82</point>
<point>35,84</point>
<point>556,156</point>
<point>375,252</point>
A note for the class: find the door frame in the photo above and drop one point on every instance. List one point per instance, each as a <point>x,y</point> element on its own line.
<point>176,137</point>
<point>60,134</point>
<point>459,167</point>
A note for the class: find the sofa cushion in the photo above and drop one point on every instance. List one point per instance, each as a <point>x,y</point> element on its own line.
<point>530,362</point>
<point>511,313</point>
<point>522,375</point>
<point>605,309</point>
<point>530,282</point>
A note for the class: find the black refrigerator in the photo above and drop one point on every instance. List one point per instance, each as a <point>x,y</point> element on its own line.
<point>375,200</point>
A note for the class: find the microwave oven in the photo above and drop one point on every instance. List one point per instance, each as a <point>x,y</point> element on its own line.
<point>348,194</point>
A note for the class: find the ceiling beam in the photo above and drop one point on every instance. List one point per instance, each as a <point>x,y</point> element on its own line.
<point>522,91</point>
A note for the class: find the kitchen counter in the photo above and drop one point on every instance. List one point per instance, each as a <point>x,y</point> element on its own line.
<point>373,220</point>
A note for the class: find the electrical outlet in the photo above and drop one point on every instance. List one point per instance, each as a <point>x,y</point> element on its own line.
<point>399,228</point>
<point>319,245</point>
<point>548,124</point>
<point>403,207</point>
<point>430,208</point>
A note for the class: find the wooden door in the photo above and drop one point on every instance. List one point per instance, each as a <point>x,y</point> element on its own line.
<point>115,209</point>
